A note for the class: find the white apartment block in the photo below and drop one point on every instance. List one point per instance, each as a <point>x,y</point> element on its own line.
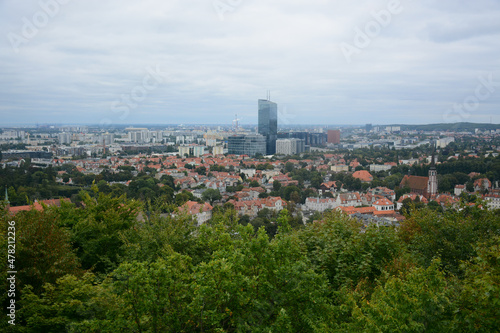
<point>442,143</point>
<point>64,138</point>
<point>290,146</point>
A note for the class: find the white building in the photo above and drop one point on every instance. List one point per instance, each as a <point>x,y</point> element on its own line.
<point>442,143</point>
<point>13,134</point>
<point>339,168</point>
<point>64,138</point>
<point>393,128</point>
<point>383,204</point>
<point>320,205</point>
<point>493,201</point>
<point>218,150</point>
<point>198,151</point>
<point>290,146</point>
<point>202,212</point>
<point>249,173</point>
<point>459,189</point>
<point>380,167</point>
<point>211,142</point>
<point>349,199</point>
<point>107,138</point>
<point>139,136</point>
<point>184,150</point>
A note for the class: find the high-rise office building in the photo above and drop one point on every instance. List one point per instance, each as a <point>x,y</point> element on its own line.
<point>268,124</point>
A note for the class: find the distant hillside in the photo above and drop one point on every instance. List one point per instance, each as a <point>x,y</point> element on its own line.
<point>468,127</point>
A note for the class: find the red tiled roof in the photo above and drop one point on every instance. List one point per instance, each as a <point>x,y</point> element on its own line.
<point>412,196</point>
<point>383,202</point>
<point>363,175</point>
<point>330,184</point>
<point>415,182</point>
<point>193,207</point>
<point>384,212</point>
<point>353,210</point>
<point>37,206</point>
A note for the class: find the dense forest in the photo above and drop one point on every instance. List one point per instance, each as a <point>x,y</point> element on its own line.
<point>463,126</point>
<point>114,264</point>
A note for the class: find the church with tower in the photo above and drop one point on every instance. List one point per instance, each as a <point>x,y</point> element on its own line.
<point>426,186</point>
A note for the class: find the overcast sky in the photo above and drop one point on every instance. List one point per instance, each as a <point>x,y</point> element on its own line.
<point>203,61</point>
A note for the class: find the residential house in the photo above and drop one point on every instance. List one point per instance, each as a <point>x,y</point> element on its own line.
<point>349,199</point>
<point>383,204</point>
<point>413,197</point>
<point>385,192</point>
<point>202,212</point>
<point>482,184</point>
<point>328,187</point>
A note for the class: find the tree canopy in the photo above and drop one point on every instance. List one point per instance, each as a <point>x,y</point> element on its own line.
<point>109,266</point>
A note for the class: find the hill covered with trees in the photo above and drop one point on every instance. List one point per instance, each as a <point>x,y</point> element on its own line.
<point>118,265</point>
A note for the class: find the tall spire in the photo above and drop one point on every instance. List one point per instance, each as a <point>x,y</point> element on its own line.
<point>432,186</point>
<point>433,159</point>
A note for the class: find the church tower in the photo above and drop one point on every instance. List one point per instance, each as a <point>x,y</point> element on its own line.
<point>432,185</point>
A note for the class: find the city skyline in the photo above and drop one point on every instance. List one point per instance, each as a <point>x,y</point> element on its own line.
<point>122,62</point>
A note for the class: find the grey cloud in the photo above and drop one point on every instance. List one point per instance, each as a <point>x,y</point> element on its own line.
<point>92,52</point>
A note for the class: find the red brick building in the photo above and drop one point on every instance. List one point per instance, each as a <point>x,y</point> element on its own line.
<point>333,136</point>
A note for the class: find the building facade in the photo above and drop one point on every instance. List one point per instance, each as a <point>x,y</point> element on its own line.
<point>247,145</point>
<point>290,146</point>
<point>334,136</point>
<point>218,150</point>
<point>65,138</point>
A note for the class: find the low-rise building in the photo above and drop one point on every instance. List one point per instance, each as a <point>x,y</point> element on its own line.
<point>339,168</point>
<point>319,205</point>
<point>380,167</point>
<point>459,189</point>
<point>349,199</point>
<point>383,204</point>
<point>202,212</point>
<point>413,197</point>
<point>482,184</point>
<point>493,201</point>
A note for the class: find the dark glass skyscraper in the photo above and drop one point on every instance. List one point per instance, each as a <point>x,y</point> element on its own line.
<point>268,124</point>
